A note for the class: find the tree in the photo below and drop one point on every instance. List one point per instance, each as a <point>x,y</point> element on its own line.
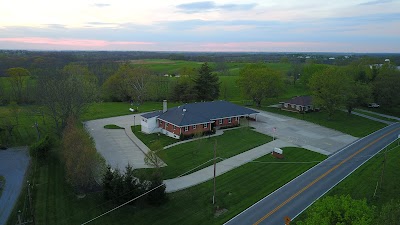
<point>309,70</point>
<point>80,157</point>
<point>358,94</point>
<point>158,196</point>
<point>151,157</point>
<point>334,210</point>
<point>184,90</point>
<point>206,84</point>
<point>64,94</point>
<point>295,71</point>
<point>329,89</point>
<point>128,83</point>
<point>385,87</point>
<point>15,110</point>
<point>17,79</point>
<point>258,81</point>
<point>390,213</point>
<point>107,180</point>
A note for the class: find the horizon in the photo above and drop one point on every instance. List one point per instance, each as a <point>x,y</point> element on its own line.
<point>285,26</point>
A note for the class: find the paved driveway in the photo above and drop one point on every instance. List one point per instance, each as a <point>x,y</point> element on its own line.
<point>302,133</point>
<point>118,146</point>
<point>13,165</point>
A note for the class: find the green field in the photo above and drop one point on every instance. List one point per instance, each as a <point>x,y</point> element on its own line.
<point>56,204</point>
<point>187,156</point>
<point>363,182</point>
<point>350,124</point>
<point>109,109</point>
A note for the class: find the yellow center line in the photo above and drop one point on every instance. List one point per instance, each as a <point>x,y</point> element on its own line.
<point>319,178</point>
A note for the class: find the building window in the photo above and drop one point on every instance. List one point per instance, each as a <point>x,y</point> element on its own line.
<point>205,125</point>
<point>166,125</point>
<point>194,127</point>
<point>236,119</point>
<point>186,128</point>
<point>174,127</point>
<point>220,121</point>
<point>230,120</point>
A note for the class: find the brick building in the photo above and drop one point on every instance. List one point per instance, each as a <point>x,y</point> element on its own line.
<point>191,118</point>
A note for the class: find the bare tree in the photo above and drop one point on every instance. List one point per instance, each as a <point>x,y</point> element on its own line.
<point>65,94</point>
<point>17,79</point>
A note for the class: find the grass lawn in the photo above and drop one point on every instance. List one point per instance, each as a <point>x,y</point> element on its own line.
<point>110,109</point>
<point>362,183</point>
<point>112,126</point>
<point>350,124</point>
<point>148,139</point>
<point>56,204</point>
<point>24,132</point>
<point>187,156</point>
<point>2,183</point>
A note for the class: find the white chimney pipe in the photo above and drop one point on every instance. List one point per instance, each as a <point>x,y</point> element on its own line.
<point>165,108</point>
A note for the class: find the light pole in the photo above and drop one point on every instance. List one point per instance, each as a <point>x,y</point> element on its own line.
<point>134,123</point>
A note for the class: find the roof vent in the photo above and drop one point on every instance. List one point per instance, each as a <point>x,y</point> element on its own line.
<point>184,110</point>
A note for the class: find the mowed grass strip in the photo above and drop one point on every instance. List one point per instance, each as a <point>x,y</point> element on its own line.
<point>149,139</point>
<point>236,190</point>
<point>376,116</point>
<point>187,156</point>
<point>350,124</point>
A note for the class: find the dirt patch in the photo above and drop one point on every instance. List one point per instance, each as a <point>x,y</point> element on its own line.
<point>219,212</point>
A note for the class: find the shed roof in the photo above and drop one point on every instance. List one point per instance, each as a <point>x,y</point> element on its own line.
<point>300,100</point>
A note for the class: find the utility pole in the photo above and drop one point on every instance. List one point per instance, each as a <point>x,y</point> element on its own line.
<point>215,168</point>
<point>19,217</point>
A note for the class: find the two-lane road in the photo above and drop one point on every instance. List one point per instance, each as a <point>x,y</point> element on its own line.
<point>294,197</point>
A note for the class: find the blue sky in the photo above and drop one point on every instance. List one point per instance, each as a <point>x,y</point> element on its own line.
<point>179,25</point>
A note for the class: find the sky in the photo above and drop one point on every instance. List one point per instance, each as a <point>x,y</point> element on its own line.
<point>360,26</point>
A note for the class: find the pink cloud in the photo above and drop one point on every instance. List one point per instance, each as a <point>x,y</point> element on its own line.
<point>78,43</point>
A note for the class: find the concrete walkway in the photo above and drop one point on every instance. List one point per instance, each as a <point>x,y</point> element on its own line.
<point>13,165</point>
<point>371,118</point>
<point>380,114</point>
<point>226,165</point>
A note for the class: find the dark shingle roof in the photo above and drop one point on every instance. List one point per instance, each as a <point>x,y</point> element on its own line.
<point>201,112</point>
<point>300,100</point>
<point>152,114</point>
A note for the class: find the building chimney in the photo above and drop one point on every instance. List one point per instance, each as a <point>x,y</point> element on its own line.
<point>164,106</point>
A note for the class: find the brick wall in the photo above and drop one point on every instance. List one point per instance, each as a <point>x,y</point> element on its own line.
<point>226,123</point>
<point>177,130</point>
